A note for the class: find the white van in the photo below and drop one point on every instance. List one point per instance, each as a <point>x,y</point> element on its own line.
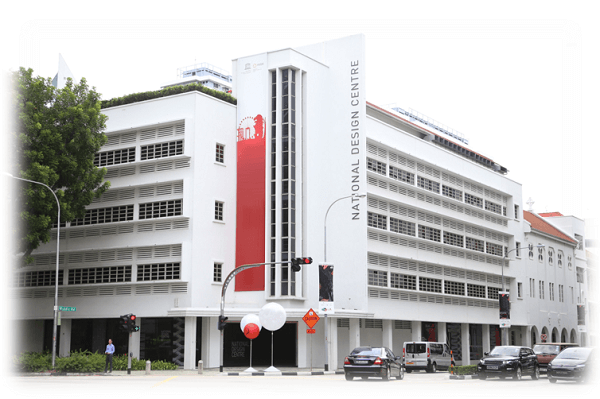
<point>428,356</point>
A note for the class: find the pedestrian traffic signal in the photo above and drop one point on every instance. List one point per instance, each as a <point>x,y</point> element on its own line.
<point>296,262</point>
<point>132,326</point>
<point>504,305</point>
<point>222,322</point>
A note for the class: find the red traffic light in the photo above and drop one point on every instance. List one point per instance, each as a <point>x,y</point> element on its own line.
<point>132,317</point>
<point>307,261</point>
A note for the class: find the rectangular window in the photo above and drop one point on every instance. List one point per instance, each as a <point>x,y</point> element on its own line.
<point>402,175</point>
<point>217,272</point>
<point>430,284</point>
<point>428,184</point>
<point>541,289</point>
<point>494,249</point>
<point>580,275</point>
<point>219,210</point>
<point>376,220</point>
<point>378,278</point>
<point>532,288</point>
<point>493,292</point>
<point>160,209</point>
<point>453,239</point>
<point>158,271</point>
<point>452,193</point>
<point>100,275</point>
<point>474,244</point>
<point>477,291</point>
<point>561,293</point>
<point>105,215</point>
<point>114,157</point>
<point>403,281</point>
<point>161,150</point>
<point>402,227</point>
<point>454,288</point>
<point>492,207</point>
<point>551,291</point>
<point>220,153</point>
<point>429,233</point>
<point>473,200</point>
<point>40,278</point>
<point>520,290</point>
<point>376,166</point>
<point>517,211</point>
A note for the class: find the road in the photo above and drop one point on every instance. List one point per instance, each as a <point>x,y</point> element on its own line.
<point>288,387</point>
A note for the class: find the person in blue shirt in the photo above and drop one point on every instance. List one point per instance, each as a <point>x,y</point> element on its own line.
<point>110,349</point>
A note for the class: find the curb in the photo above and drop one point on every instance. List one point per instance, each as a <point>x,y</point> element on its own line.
<point>285,373</point>
<point>463,377</point>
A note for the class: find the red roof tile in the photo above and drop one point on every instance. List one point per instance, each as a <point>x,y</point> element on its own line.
<point>539,224</point>
<point>550,214</point>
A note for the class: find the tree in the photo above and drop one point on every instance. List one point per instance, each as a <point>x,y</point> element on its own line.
<point>57,133</point>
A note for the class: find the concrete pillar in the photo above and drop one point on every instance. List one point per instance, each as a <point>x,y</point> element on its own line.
<point>211,338</point>
<point>485,337</point>
<point>354,338</point>
<point>65,338</point>
<point>416,330</point>
<point>387,334</point>
<point>304,346</point>
<point>189,343</point>
<point>526,334</point>
<point>333,344</point>
<point>465,344</point>
<point>442,334</point>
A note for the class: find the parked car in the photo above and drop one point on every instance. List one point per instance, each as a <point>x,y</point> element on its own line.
<point>546,352</point>
<point>366,361</point>
<point>509,361</point>
<point>571,364</point>
<point>428,356</point>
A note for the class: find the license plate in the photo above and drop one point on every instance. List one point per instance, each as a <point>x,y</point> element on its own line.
<point>492,367</point>
<point>562,372</point>
<point>361,362</point>
<point>410,362</point>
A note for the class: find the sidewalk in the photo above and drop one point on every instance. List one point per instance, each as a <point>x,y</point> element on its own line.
<point>210,372</point>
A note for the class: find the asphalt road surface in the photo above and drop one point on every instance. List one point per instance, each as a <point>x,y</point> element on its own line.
<point>332,386</point>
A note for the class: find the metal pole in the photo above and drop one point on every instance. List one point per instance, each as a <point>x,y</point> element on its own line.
<point>54,326</point>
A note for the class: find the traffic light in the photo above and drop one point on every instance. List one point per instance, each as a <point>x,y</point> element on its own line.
<point>504,305</point>
<point>132,326</point>
<point>124,322</point>
<point>296,262</point>
<point>222,322</point>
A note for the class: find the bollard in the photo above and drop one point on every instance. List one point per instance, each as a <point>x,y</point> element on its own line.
<point>148,367</point>
<point>452,364</point>
<point>200,367</point>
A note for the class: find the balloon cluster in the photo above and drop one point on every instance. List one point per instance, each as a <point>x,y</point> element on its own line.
<point>271,316</point>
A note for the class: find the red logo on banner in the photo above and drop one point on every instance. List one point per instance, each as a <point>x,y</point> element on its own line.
<point>251,128</point>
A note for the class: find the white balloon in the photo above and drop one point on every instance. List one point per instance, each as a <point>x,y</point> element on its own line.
<point>250,318</point>
<point>272,316</point>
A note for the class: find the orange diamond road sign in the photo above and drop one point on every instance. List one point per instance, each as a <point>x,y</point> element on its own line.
<point>311,318</point>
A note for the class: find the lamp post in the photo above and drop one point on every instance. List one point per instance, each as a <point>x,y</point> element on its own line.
<point>358,195</point>
<point>504,335</point>
<point>54,326</point>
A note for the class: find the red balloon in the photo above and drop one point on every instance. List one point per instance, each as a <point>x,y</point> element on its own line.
<point>251,331</point>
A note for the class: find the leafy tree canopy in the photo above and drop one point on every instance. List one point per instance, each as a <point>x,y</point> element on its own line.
<point>56,136</point>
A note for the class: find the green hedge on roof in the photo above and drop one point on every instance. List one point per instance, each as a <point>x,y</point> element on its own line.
<point>168,91</point>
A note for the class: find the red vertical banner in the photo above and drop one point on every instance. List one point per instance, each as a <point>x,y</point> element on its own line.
<point>250,227</point>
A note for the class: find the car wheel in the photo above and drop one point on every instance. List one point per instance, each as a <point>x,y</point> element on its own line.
<point>552,380</point>
<point>401,375</point>
<point>536,373</point>
<point>409,371</point>
<point>433,368</point>
<point>482,376</point>
<point>518,374</point>
<point>386,374</point>
<point>365,378</point>
<point>349,377</point>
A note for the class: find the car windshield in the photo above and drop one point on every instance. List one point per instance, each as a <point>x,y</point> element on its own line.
<point>366,352</point>
<point>415,348</point>
<point>574,353</point>
<point>504,351</point>
<point>546,349</point>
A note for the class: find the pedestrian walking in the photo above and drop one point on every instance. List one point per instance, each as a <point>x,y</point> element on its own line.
<point>110,350</point>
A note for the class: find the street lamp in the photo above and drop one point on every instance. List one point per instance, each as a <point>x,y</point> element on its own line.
<point>504,335</point>
<point>54,327</point>
<point>358,195</point>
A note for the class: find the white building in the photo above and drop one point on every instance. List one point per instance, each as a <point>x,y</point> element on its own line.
<point>421,256</point>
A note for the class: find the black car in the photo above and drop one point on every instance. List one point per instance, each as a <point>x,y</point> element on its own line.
<point>366,361</point>
<point>571,364</point>
<point>509,361</point>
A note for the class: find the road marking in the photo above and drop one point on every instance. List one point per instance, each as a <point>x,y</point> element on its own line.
<point>162,382</point>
